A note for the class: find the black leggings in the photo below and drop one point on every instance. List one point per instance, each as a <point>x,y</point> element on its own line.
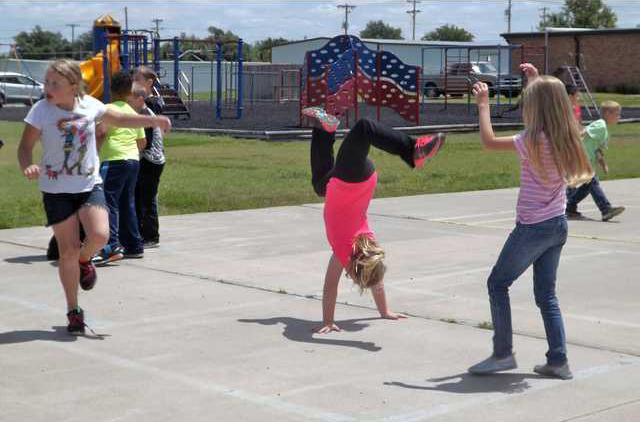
<point>352,164</point>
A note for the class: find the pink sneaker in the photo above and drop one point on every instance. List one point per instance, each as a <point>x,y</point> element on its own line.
<point>427,147</point>
<point>329,122</point>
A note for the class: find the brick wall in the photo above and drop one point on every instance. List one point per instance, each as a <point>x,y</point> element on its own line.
<point>606,59</point>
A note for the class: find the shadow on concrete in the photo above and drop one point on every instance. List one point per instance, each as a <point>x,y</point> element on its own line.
<point>27,260</point>
<point>59,334</point>
<point>296,329</point>
<point>465,383</point>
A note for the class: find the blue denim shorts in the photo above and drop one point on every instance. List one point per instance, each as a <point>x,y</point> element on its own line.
<point>60,206</point>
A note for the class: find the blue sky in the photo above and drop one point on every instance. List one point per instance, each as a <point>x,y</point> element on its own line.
<point>257,19</point>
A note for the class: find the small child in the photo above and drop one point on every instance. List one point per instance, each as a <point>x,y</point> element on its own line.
<point>119,169</point>
<point>551,155</point>
<point>595,142</point>
<point>152,158</point>
<point>348,184</point>
<point>574,97</point>
<point>72,193</point>
<point>148,78</point>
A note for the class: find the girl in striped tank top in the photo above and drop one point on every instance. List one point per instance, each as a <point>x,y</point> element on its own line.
<point>551,157</point>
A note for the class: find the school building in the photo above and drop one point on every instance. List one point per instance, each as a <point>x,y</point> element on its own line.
<point>608,58</point>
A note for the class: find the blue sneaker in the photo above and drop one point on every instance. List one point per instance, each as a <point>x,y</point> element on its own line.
<point>107,256</point>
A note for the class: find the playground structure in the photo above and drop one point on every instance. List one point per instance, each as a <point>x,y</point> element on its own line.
<point>116,49</point>
<point>344,72</point>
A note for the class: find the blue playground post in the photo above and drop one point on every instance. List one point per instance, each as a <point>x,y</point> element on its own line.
<point>106,88</point>
<point>156,55</point>
<point>125,51</point>
<point>136,52</point>
<point>176,62</point>
<point>145,51</point>
<point>218,80</point>
<point>239,82</point>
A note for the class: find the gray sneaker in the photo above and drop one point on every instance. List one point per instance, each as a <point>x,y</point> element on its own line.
<point>493,364</point>
<point>613,212</point>
<point>562,371</point>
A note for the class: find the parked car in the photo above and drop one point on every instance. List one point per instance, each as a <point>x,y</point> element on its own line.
<point>507,84</point>
<point>19,88</point>
<point>460,77</point>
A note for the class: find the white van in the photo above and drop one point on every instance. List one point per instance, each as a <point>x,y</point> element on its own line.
<point>19,88</point>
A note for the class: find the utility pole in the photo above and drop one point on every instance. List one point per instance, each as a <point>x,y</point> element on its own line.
<point>347,9</point>
<point>544,17</point>
<point>73,35</point>
<point>126,19</point>
<point>507,13</point>
<point>413,12</point>
<point>157,22</point>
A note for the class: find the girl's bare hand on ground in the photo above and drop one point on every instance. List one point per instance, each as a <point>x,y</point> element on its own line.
<point>32,172</point>
<point>326,328</point>
<point>393,316</point>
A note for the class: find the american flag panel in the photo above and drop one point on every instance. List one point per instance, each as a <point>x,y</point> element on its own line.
<point>381,78</point>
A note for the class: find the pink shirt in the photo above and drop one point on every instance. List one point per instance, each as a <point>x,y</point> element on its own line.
<point>345,214</point>
<point>539,200</point>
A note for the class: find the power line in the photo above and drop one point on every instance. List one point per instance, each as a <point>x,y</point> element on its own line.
<point>73,27</point>
<point>413,12</point>
<point>347,9</point>
<point>157,22</point>
<point>544,17</point>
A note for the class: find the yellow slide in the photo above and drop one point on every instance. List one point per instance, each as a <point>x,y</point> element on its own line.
<point>92,69</point>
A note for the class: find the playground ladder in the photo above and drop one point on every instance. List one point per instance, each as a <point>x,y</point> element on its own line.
<point>587,99</point>
<point>174,106</point>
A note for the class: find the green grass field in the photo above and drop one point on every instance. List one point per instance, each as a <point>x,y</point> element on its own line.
<point>219,173</point>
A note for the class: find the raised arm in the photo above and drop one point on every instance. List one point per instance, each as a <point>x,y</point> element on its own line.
<point>530,71</point>
<point>488,137</point>
<point>30,136</point>
<point>115,118</point>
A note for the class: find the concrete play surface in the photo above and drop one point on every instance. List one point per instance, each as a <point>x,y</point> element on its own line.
<point>215,325</point>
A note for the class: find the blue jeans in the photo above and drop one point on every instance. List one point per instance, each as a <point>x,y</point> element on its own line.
<point>120,177</point>
<point>575,195</point>
<point>539,244</point>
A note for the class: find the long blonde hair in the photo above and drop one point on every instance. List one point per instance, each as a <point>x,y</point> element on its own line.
<point>546,110</point>
<point>366,266</point>
<point>71,72</point>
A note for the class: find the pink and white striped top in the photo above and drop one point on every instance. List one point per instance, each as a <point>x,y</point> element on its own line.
<point>539,200</point>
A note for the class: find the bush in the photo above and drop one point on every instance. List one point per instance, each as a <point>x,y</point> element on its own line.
<point>621,88</point>
<point>627,89</point>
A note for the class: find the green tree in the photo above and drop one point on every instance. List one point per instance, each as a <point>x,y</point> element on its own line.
<point>261,51</point>
<point>82,46</point>
<point>448,33</point>
<point>380,30</point>
<point>581,14</point>
<point>229,43</point>
<point>39,44</point>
